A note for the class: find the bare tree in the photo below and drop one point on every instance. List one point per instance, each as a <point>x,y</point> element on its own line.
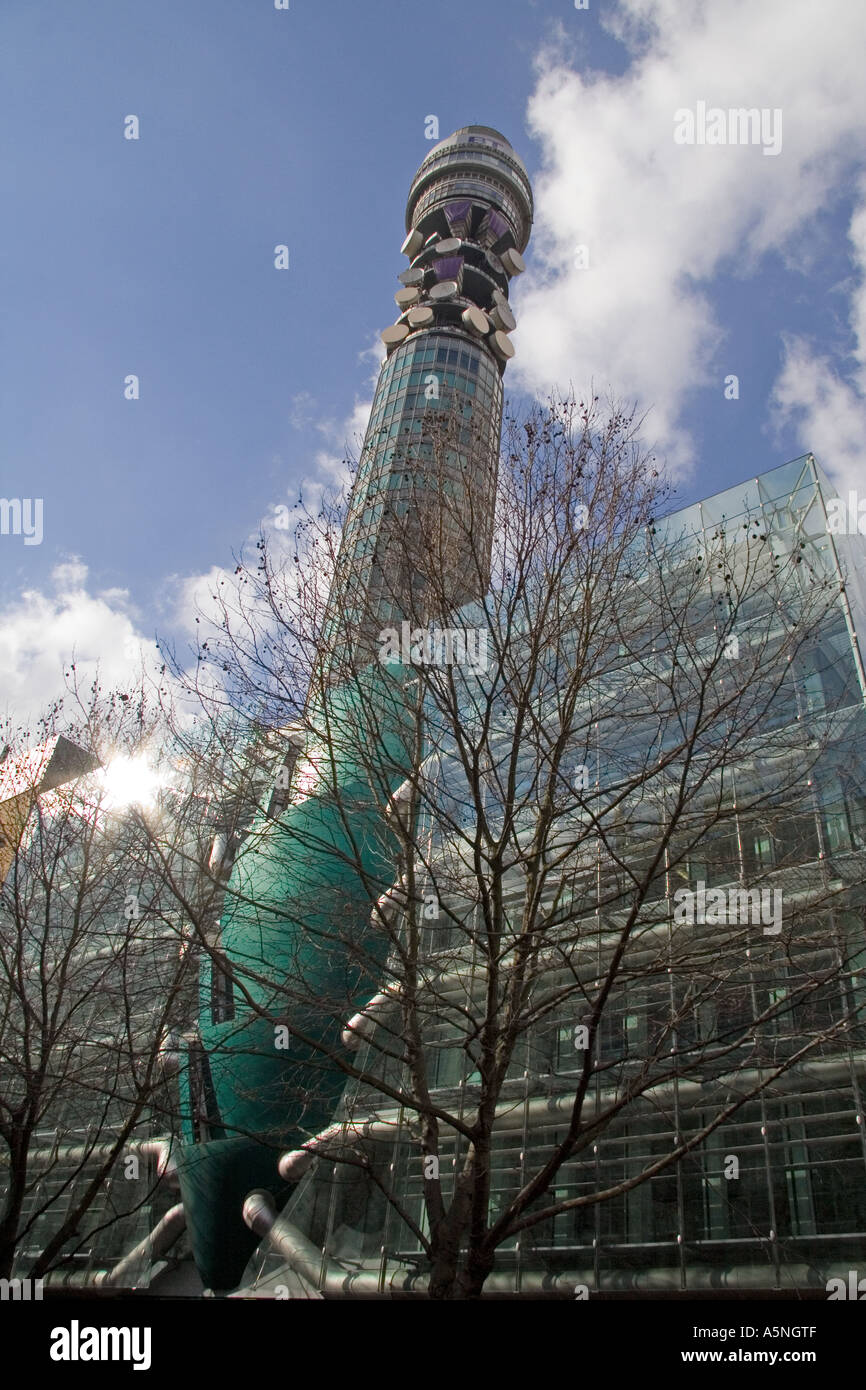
<point>571,831</point>
<point>95,973</point>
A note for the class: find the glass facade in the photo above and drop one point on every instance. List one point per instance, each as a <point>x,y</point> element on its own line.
<point>412,467</point>
<point>775,1196</point>
<point>127,984</point>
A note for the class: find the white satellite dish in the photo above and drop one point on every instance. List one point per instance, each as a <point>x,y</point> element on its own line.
<point>513,261</point>
<point>394,334</point>
<point>502,317</point>
<point>476,320</point>
<point>412,245</point>
<point>446,289</point>
<point>502,345</point>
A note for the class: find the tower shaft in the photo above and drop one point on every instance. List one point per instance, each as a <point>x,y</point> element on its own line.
<point>418,532</point>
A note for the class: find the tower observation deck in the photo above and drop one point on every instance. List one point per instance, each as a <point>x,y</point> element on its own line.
<point>418,531</point>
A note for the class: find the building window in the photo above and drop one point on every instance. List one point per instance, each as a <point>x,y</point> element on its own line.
<point>222,997</point>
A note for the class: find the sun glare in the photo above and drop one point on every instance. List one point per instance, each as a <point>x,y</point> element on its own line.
<point>130,782</point>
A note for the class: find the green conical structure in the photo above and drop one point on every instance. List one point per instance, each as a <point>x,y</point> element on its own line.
<point>297,939</point>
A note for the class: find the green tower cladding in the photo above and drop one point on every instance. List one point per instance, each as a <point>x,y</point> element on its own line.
<point>263,1070</point>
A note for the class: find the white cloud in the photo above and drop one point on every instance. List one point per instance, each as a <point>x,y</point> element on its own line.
<point>827,408</point>
<point>41,634</point>
<point>330,471</point>
<point>201,595</point>
<point>375,354</point>
<point>661,220</point>
<point>829,412</point>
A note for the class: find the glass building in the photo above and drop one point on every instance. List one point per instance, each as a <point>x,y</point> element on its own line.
<point>102,925</point>
<point>92,978</point>
<point>774,1197</point>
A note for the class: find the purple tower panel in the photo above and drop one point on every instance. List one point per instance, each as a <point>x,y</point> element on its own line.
<point>493,228</point>
<point>449,268</point>
<point>459,215</point>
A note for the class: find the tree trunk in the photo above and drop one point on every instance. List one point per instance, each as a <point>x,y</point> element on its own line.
<point>12,1214</point>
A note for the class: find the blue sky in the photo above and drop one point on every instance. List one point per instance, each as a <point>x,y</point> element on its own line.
<point>304,127</point>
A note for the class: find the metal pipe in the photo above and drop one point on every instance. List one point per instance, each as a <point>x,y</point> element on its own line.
<point>160,1149</point>
<point>259,1212</point>
<point>292,1166</point>
<point>334,1281</point>
<point>166,1164</point>
<point>392,902</point>
<point>169,1054</point>
<point>300,1253</point>
<point>550,1109</point>
<point>74,1278</point>
<point>361,1025</point>
<point>163,1235</point>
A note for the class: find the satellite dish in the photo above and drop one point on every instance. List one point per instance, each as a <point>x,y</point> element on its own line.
<point>412,276</point>
<point>448,246</point>
<point>394,334</point>
<point>405,298</point>
<point>513,261</point>
<point>476,320</point>
<point>502,317</point>
<point>420,316</point>
<point>412,245</point>
<point>502,345</point>
<point>446,289</point>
